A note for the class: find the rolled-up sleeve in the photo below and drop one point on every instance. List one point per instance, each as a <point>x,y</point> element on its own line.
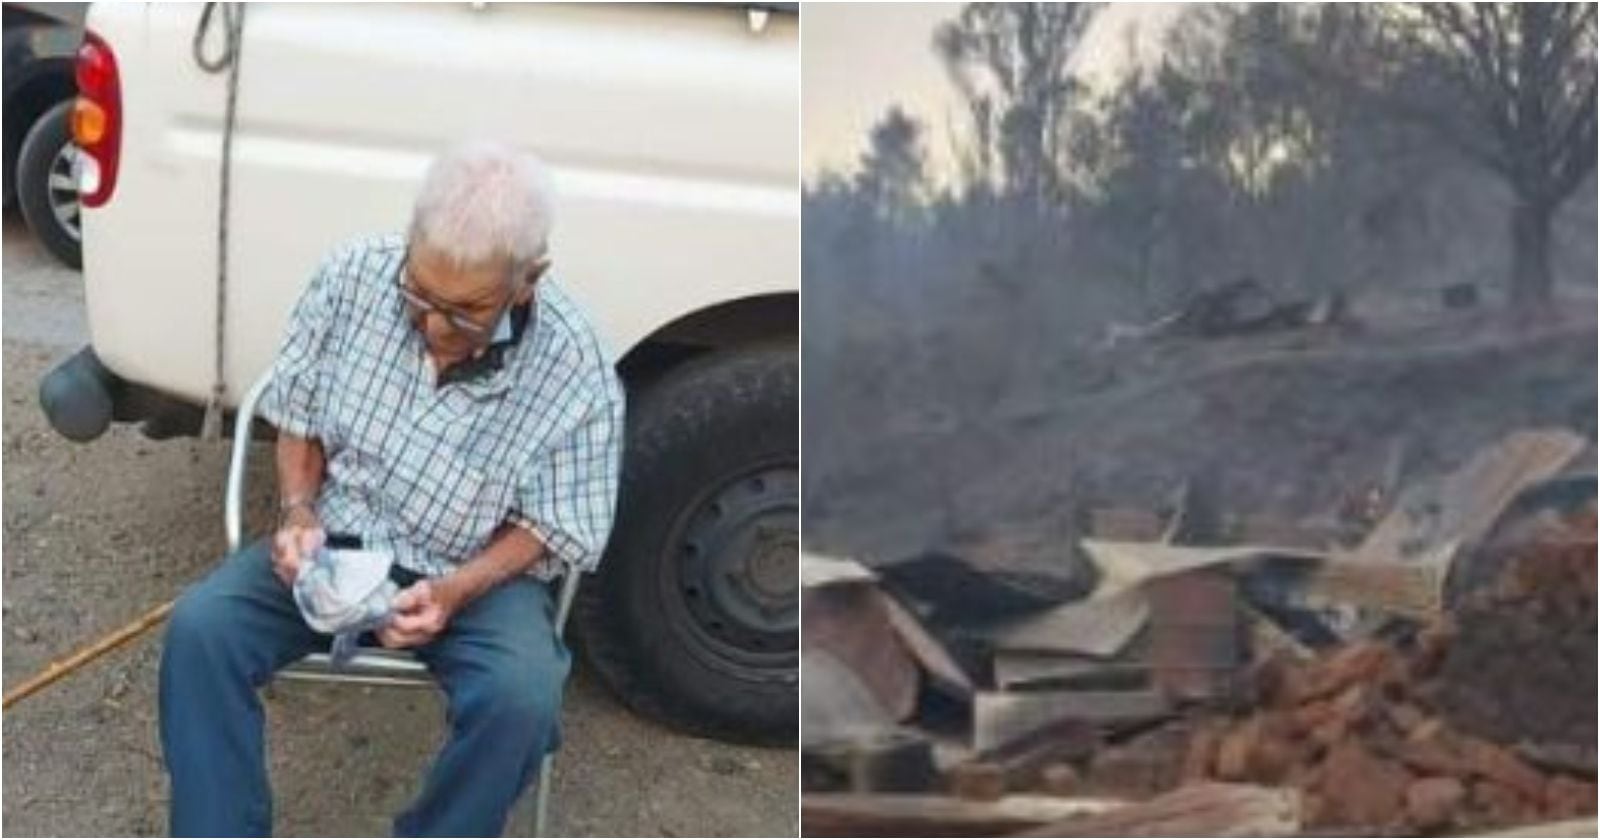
<point>293,400</point>
<point>567,493</point>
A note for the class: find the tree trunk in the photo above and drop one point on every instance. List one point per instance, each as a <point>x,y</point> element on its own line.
<point>1530,254</point>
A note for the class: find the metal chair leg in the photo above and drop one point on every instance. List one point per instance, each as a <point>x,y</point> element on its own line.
<point>541,796</point>
<point>541,783</point>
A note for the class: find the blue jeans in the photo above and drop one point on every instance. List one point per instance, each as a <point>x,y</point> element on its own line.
<point>499,661</point>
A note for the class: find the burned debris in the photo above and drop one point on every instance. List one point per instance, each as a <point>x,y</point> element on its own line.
<point>1436,674</point>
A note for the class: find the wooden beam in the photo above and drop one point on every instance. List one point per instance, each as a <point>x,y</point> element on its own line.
<point>926,815</point>
<point>1204,810</point>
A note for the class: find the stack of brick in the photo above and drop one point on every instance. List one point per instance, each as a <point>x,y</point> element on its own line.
<point>1355,736</point>
<point>1361,732</point>
<point>1379,738</point>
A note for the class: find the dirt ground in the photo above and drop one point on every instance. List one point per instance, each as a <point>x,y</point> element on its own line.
<point>95,535</point>
<point>1293,426</point>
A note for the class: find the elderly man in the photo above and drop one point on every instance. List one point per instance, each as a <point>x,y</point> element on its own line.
<point>437,399</point>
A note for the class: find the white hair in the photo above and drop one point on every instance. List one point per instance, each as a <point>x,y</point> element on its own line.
<point>484,202</point>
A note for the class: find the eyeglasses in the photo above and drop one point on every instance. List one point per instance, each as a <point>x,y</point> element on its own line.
<point>458,321</point>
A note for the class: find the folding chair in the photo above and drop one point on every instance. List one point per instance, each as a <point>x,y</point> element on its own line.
<point>370,666</point>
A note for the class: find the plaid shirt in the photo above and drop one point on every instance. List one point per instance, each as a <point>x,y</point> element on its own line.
<point>428,473</point>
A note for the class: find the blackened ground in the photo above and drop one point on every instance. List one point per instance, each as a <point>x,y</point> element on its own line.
<point>1288,426</point>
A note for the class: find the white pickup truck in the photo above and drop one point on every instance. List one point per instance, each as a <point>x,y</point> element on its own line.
<point>672,135</point>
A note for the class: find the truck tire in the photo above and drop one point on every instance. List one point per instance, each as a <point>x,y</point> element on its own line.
<point>693,617</point>
<point>49,203</point>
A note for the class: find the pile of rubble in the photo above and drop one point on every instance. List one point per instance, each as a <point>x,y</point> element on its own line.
<point>1379,738</point>
<point>1226,689</point>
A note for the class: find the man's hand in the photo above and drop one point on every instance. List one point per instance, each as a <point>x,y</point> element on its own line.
<point>298,536</point>
<point>421,612</point>
<point>424,609</point>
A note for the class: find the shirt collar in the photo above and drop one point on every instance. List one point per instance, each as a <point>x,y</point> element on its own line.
<point>508,333</point>
<point>503,331</point>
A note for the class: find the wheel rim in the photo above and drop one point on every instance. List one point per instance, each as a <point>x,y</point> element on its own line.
<point>62,185</point>
<point>735,566</point>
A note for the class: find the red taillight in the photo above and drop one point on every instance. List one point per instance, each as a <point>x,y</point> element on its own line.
<point>96,71</point>
<point>97,120</point>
